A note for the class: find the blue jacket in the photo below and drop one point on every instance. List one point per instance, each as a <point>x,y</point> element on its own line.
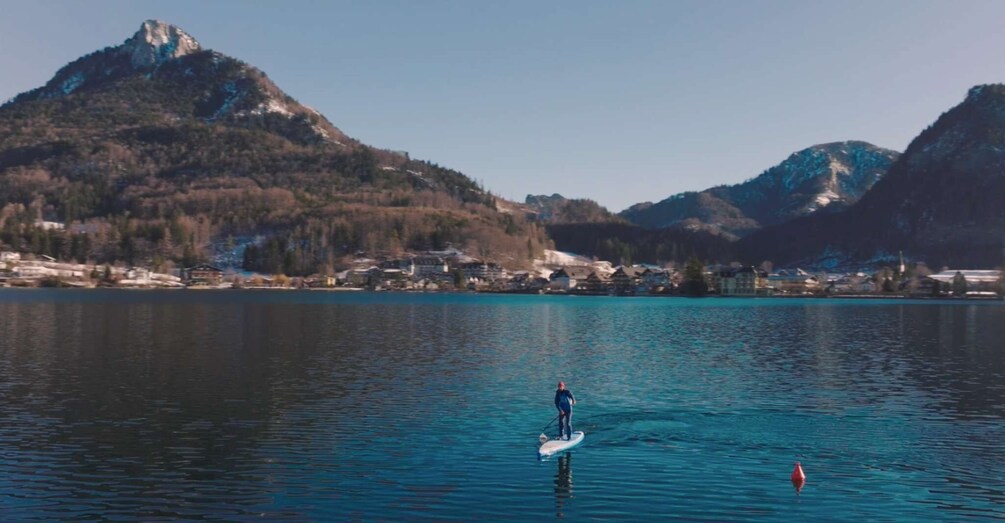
<point>564,399</point>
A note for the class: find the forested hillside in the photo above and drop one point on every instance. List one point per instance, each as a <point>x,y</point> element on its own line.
<point>152,155</point>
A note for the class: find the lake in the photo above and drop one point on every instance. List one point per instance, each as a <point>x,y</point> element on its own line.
<point>300,405</point>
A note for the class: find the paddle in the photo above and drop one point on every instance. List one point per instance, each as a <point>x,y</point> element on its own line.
<point>542,438</point>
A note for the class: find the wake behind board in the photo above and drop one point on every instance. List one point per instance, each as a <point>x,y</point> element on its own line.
<point>554,446</point>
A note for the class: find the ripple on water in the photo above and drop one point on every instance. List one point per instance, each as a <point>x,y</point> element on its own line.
<point>297,406</point>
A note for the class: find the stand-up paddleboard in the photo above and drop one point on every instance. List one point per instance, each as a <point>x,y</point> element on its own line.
<point>554,446</point>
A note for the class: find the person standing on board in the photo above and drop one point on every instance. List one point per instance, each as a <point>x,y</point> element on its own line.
<point>564,400</point>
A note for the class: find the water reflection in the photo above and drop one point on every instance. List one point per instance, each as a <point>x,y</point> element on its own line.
<point>134,402</point>
<point>563,484</point>
<point>890,353</point>
<point>310,406</point>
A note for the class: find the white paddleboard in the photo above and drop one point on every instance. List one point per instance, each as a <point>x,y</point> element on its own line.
<point>554,446</point>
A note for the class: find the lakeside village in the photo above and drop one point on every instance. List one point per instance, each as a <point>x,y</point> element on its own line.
<point>559,273</point>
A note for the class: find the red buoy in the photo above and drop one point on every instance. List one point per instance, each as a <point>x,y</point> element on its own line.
<point>798,477</point>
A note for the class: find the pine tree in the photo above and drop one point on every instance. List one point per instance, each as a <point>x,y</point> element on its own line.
<point>694,278</point>
<point>959,285</point>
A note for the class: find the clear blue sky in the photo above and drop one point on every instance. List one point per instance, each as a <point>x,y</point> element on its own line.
<point>620,102</point>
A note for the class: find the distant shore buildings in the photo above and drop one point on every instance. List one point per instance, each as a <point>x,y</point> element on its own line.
<point>454,270</point>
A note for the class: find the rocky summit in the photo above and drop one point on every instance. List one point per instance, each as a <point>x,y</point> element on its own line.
<point>157,42</point>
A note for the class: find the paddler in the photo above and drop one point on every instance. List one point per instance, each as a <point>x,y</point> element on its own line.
<point>564,400</point>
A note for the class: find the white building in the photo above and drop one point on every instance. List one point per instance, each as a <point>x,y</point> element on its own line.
<point>429,265</point>
<point>33,270</point>
<point>41,269</point>
<point>483,271</point>
<point>977,280</point>
<point>793,282</point>
<point>568,278</point>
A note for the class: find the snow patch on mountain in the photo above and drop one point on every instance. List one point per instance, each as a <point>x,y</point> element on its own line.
<point>324,134</point>
<point>233,96</point>
<point>72,83</point>
<point>807,181</point>
<point>838,167</point>
<point>271,106</point>
<point>825,198</point>
<point>553,260</point>
<point>564,258</point>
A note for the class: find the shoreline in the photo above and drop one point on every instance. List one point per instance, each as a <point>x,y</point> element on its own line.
<point>354,290</point>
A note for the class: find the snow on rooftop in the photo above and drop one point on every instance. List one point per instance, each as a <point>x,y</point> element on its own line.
<point>972,276</point>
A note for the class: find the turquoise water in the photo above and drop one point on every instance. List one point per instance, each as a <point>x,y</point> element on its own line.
<point>330,406</point>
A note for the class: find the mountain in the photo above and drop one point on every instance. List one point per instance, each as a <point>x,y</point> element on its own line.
<point>174,76</point>
<point>940,202</point>
<point>559,209</point>
<point>160,151</point>
<point>585,227</point>
<point>824,177</point>
<point>625,243</point>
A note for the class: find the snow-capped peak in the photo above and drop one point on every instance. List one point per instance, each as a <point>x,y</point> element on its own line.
<point>157,42</point>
